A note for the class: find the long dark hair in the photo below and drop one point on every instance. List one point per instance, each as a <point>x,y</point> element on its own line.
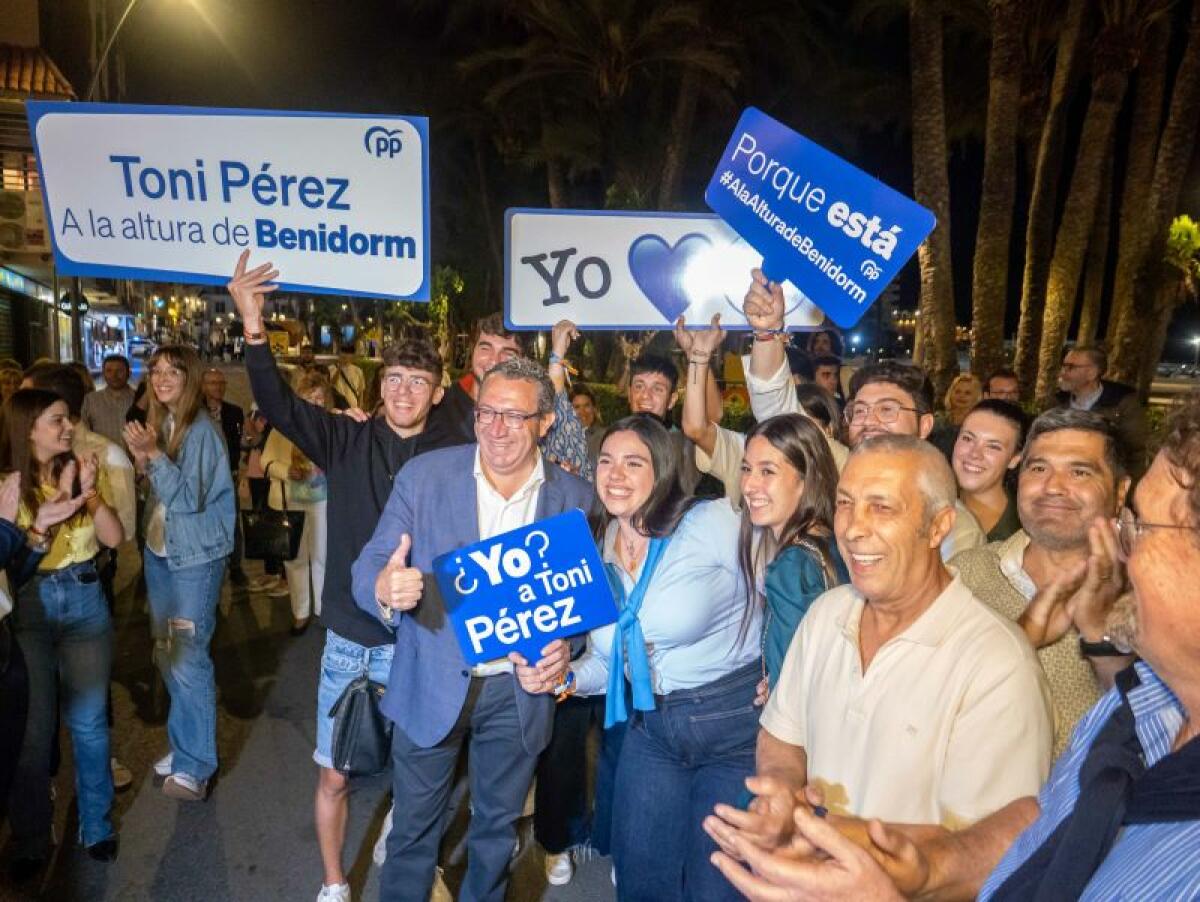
<point>661,512</point>
<point>21,412</point>
<point>805,448</point>
<point>187,408</point>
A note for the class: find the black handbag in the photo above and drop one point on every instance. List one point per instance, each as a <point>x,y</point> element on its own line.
<point>271,535</point>
<point>362,736</point>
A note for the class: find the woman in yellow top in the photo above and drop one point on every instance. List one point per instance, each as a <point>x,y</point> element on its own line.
<point>62,625</point>
<point>305,486</point>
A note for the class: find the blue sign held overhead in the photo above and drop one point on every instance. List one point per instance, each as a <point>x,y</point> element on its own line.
<point>522,589</point>
<point>835,232</point>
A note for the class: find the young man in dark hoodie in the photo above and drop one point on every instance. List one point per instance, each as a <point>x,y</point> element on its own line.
<point>360,460</point>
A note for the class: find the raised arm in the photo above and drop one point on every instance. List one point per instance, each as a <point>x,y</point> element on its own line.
<point>699,347</point>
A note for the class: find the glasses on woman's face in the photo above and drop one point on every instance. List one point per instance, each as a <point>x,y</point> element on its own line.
<point>166,373</point>
<point>885,411</point>
<point>1130,529</point>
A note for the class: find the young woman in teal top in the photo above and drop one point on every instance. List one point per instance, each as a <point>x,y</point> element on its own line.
<point>786,547</point>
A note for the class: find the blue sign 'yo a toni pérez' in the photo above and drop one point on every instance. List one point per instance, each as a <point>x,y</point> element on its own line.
<point>520,590</point>
<point>838,234</point>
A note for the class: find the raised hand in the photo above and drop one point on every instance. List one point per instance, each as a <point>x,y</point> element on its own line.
<point>399,586</point>
<point>249,289</point>
<point>763,305</point>
<point>1103,583</point>
<point>561,336</point>
<point>10,497</point>
<point>701,343</point>
<point>547,673</point>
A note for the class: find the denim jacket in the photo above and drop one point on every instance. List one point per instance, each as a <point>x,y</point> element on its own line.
<point>197,492</point>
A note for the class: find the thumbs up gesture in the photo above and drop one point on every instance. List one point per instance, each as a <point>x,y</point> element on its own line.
<point>399,587</point>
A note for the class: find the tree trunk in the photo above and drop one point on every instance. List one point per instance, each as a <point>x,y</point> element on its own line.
<point>1039,228</point>
<point>1097,258</point>
<point>990,282</point>
<point>1156,337</point>
<point>679,137</point>
<point>1070,243</point>
<point>491,227</point>
<point>1170,168</point>
<point>556,186</point>
<point>931,186</point>
<point>1149,98</point>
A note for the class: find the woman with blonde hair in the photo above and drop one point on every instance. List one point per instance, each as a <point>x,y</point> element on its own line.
<point>298,484</point>
<point>189,526</point>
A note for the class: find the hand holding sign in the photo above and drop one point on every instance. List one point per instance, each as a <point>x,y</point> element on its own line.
<point>701,345</point>
<point>399,586</point>
<point>763,305</point>
<point>547,673</point>
<point>249,290</point>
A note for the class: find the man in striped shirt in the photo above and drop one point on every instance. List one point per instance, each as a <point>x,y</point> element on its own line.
<point>1120,816</point>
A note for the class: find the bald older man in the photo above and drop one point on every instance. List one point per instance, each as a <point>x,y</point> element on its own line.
<point>902,696</point>
<point>1120,816</point>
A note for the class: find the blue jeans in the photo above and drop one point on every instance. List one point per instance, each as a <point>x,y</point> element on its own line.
<point>678,761</point>
<point>342,662</point>
<point>64,630</point>
<point>183,615</point>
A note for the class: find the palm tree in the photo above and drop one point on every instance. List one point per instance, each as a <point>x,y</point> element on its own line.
<point>1180,282</point>
<point>1114,55</point>
<point>1174,154</point>
<point>1096,265</point>
<point>1150,97</point>
<point>990,277</point>
<point>931,186</point>
<point>1039,229</point>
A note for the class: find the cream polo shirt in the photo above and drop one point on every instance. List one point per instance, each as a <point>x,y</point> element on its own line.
<point>498,514</point>
<point>951,721</point>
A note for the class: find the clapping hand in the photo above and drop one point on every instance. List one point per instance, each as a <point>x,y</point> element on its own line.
<point>547,673</point>
<point>767,823</point>
<point>249,289</point>
<point>61,505</point>
<point>763,305</point>
<point>89,467</point>
<point>141,442</point>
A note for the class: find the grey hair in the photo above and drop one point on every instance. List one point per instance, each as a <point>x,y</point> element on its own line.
<point>525,370</point>
<point>1060,419</point>
<point>935,479</point>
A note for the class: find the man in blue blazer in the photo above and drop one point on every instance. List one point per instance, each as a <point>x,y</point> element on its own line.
<point>442,501</point>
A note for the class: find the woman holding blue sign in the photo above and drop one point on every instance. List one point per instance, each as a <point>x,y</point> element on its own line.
<point>689,650</point>
<point>786,548</point>
<point>189,536</point>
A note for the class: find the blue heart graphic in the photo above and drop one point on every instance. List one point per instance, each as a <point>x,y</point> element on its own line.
<point>658,270</point>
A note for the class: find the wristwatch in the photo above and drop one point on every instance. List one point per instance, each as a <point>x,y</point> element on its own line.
<point>1102,649</point>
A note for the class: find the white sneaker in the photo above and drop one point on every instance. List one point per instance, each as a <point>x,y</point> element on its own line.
<point>163,766</point>
<point>379,854</point>
<point>559,869</point>
<point>339,892</point>
<point>185,788</point>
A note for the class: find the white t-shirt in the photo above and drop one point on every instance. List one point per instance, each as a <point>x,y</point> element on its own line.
<point>951,721</point>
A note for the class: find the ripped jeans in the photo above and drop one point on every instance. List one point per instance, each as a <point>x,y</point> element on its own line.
<point>183,614</point>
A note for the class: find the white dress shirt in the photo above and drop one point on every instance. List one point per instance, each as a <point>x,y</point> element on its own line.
<point>497,515</point>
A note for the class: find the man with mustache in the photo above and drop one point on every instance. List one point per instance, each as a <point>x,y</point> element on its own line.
<point>1072,484</point>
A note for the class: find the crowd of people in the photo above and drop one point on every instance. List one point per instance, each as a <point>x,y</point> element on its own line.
<point>867,648</point>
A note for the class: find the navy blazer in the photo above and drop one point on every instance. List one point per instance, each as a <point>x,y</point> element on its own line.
<point>433,500</point>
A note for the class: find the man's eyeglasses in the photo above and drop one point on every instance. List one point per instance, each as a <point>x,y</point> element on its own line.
<point>513,419</point>
<point>393,381</point>
<point>885,411</point>
<point>1130,529</point>
<point>166,372</point>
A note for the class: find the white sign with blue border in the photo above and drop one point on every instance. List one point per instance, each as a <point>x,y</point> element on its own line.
<point>605,269</point>
<point>520,590</point>
<point>835,232</point>
<point>338,202</point>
